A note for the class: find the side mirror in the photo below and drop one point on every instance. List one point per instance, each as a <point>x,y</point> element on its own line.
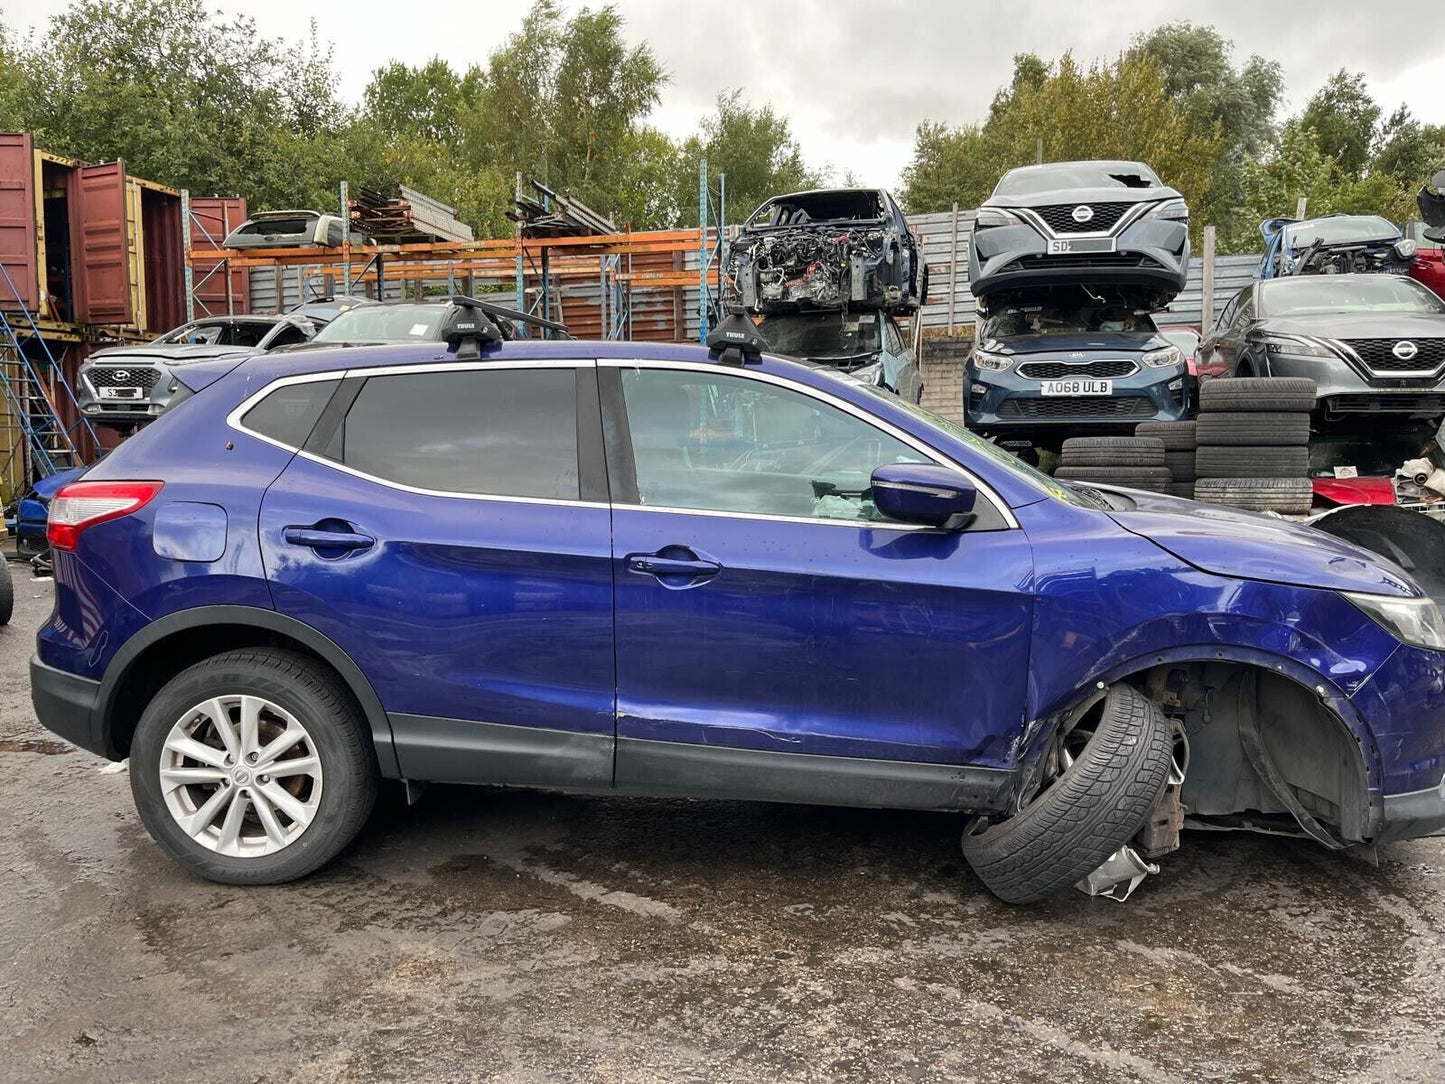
<point>924,493</point>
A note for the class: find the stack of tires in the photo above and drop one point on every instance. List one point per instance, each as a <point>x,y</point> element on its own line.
<point>1178,440</point>
<point>1131,462</point>
<point>1252,443</point>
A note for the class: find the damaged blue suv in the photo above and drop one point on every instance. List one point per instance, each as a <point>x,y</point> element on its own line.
<point>666,570</point>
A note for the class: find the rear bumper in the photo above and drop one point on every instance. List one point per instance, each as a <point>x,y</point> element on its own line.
<point>1409,816</point>
<point>66,705</point>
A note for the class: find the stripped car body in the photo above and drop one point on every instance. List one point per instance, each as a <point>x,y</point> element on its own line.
<point>1086,223</point>
<point>867,346</point>
<point>827,249</point>
<point>1333,245</point>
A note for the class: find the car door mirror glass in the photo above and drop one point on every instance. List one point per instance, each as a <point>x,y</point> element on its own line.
<point>925,494</point>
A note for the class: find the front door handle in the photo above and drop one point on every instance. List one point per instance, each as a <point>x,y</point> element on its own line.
<point>322,539</point>
<point>675,566</point>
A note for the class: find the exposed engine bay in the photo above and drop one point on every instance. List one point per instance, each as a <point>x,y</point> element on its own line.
<point>1381,257</point>
<point>813,268</point>
<point>827,249</point>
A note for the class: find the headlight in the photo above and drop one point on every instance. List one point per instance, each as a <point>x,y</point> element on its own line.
<point>1175,210</point>
<point>1162,359</point>
<point>1406,248</point>
<point>1416,621</point>
<point>995,363</point>
<point>869,374</point>
<point>1289,344</point>
<point>995,216</point>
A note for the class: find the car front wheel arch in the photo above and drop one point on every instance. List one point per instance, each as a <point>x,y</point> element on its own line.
<point>163,649</point>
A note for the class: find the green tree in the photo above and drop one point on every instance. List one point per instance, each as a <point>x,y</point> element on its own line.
<point>753,145</point>
<point>1345,118</point>
<point>949,165</point>
<point>1408,150</point>
<point>185,97</point>
<point>424,101</point>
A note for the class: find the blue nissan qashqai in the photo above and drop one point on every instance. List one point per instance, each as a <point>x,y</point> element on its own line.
<point>665,570</point>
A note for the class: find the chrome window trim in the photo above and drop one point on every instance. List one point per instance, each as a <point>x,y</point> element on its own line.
<point>233,420</point>
<point>876,422</point>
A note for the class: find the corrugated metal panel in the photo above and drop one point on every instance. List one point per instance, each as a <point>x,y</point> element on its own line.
<point>162,260</point>
<point>211,219</point>
<point>105,264</point>
<point>1231,274</point>
<point>17,220</point>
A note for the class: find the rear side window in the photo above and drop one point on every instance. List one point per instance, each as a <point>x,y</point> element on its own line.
<point>289,413</point>
<point>499,432</point>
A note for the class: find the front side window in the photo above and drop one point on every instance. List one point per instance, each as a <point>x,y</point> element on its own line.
<point>726,443</point>
<point>498,432</point>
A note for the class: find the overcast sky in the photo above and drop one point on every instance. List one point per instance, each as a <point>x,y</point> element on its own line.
<point>855,77</point>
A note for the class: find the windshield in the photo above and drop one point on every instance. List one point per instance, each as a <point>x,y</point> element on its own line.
<point>1345,293</point>
<point>1347,229</point>
<point>823,206</point>
<point>1065,319</point>
<point>218,333</point>
<point>1031,179</point>
<point>820,336</point>
<point>384,324</point>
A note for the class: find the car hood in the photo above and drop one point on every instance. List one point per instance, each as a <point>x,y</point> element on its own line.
<point>1129,342</point>
<point>1358,325</point>
<point>1113,194</point>
<point>171,354</point>
<point>1247,546</point>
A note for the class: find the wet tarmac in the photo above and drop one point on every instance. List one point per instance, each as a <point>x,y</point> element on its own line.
<point>515,936</point>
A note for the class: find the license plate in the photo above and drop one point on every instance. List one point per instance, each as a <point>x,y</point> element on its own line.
<point>1078,387</point>
<point>1068,246</point>
<point>119,393</point>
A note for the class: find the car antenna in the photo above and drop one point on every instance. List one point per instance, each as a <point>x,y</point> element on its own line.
<point>736,340</point>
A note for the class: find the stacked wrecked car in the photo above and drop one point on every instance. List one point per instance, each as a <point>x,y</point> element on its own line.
<point>1067,262</point>
<point>825,273</point>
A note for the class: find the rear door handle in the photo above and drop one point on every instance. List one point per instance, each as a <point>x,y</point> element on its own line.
<point>319,539</point>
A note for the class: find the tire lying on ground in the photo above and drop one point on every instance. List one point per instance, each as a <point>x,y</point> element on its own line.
<point>1182,489</point>
<point>1288,495</point>
<point>1261,429</point>
<point>1232,462</point>
<point>1087,812</point>
<point>1257,393</point>
<point>1181,465</point>
<point>1113,452</point>
<point>1151,478</point>
<point>1177,436</point>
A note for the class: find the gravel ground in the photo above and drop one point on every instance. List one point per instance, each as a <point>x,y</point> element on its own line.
<point>492,935</point>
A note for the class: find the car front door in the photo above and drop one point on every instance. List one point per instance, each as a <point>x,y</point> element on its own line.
<point>775,638</point>
<point>900,364</point>
<point>447,527</point>
<point>1219,351</point>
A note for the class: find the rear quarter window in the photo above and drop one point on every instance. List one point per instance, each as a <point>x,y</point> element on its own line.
<point>288,414</point>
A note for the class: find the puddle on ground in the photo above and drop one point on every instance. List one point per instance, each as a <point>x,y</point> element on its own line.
<point>35,745</point>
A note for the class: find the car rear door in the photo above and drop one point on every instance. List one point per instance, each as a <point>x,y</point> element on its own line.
<point>772,640</point>
<point>447,526</point>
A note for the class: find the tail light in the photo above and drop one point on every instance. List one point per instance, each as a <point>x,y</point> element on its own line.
<point>81,505</point>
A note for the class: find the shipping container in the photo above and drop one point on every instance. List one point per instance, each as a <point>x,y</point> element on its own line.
<point>217,289</point>
<point>87,244</point>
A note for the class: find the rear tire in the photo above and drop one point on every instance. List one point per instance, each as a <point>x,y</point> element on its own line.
<point>311,827</point>
<point>1085,814</point>
<point>7,593</point>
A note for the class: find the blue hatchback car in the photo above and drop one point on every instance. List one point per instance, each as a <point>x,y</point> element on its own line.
<point>665,570</point>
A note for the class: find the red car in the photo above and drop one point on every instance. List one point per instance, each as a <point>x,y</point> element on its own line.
<point>1429,263</point>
